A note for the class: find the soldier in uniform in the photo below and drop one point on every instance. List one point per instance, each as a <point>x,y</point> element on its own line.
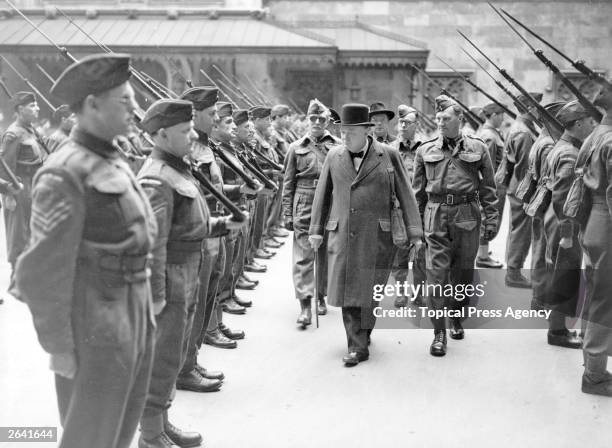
<point>381,117</point>
<point>563,254</point>
<point>63,119</point>
<point>453,179</point>
<point>595,163</point>
<point>85,274</point>
<point>350,205</point>
<point>23,151</point>
<point>516,152</point>
<point>407,144</point>
<point>302,170</point>
<point>490,134</point>
<point>280,117</point>
<point>193,376</point>
<point>183,221</point>
<point>222,133</point>
<point>243,137</point>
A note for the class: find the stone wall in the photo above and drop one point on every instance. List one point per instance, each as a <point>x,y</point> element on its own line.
<point>580,28</point>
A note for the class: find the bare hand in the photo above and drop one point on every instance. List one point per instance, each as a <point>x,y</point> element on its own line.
<point>10,203</point>
<point>232,224</point>
<point>566,243</point>
<point>63,364</point>
<point>315,241</point>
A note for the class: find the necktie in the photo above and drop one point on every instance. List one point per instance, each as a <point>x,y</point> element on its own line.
<point>358,155</point>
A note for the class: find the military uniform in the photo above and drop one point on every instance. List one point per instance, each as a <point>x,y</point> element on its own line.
<point>23,151</point>
<point>184,221</point>
<point>302,170</point>
<point>56,138</point>
<point>518,145</point>
<point>85,274</point>
<point>494,141</point>
<point>596,157</point>
<point>451,181</point>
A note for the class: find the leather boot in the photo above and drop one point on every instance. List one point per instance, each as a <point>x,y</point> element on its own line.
<point>161,441</point>
<point>242,302</point>
<point>242,283</point>
<point>184,439</point>
<point>234,335</point>
<point>230,306</point>
<point>514,279</point>
<point>249,279</point>
<point>321,307</point>
<point>195,382</point>
<point>438,346</point>
<point>219,340</point>
<point>596,379</point>
<point>210,374</point>
<point>456,331</point>
<point>305,317</point>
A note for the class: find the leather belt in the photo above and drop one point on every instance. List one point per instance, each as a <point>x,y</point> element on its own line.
<point>452,198</point>
<point>126,263</point>
<point>307,183</point>
<point>114,269</point>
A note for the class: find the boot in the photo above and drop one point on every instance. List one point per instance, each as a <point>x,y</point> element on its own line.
<point>456,331</point>
<point>514,279</point>
<point>438,345</point>
<point>400,301</point>
<point>234,335</point>
<point>161,441</point>
<point>305,317</point>
<point>321,307</point>
<point>184,439</point>
<point>596,379</point>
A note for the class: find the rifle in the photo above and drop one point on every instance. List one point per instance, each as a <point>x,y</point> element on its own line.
<point>258,93</point>
<point>28,83</point>
<point>555,128</point>
<point>236,87</point>
<point>232,166</point>
<point>295,106</point>
<point>44,72</point>
<point>522,108</point>
<point>578,64</point>
<point>237,214</point>
<point>237,95</point>
<point>475,86</point>
<point>474,120</point>
<point>11,175</point>
<point>219,89</point>
<point>257,172</point>
<point>589,107</point>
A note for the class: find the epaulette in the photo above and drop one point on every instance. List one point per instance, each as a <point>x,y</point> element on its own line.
<point>474,137</point>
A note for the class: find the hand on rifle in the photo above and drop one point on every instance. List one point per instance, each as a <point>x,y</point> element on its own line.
<point>232,224</point>
<point>14,190</point>
<point>566,243</point>
<point>245,189</point>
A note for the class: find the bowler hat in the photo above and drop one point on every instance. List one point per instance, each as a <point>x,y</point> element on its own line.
<point>380,108</point>
<point>354,114</point>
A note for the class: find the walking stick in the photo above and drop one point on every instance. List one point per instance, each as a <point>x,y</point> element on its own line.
<point>316,280</point>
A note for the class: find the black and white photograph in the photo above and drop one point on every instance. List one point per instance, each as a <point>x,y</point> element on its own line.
<point>305,223</point>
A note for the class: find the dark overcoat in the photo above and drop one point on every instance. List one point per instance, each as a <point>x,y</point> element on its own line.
<point>355,209</point>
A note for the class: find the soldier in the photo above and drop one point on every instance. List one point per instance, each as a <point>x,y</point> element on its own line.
<point>302,170</point>
<point>534,208</point>
<point>516,152</point>
<point>85,272</point>
<point>183,222</point>
<point>24,152</point>
<point>595,162</point>
<point>493,139</point>
<point>63,119</point>
<point>280,117</point>
<point>470,126</point>
<point>563,253</point>
<point>350,205</point>
<point>407,144</point>
<point>334,123</point>
<point>222,132</point>
<point>452,174</point>
<point>270,205</point>
<point>243,136</point>
<point>193,376</point>
<point>381,117</point>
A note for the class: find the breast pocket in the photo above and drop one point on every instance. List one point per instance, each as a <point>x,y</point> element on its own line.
<point>433,165</point>
<point>306,160</point>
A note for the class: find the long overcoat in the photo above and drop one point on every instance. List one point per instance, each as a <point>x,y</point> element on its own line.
<point>355,209</point>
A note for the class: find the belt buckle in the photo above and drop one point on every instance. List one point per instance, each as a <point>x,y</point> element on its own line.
<point>450,200</point>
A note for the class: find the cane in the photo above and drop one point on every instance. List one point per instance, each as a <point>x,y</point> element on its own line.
<point>316,280</point>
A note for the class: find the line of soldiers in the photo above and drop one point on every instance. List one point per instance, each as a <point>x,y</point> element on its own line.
<point>128,262</point>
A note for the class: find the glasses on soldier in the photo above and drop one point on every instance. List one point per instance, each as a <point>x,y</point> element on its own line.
<point>317,118</point>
